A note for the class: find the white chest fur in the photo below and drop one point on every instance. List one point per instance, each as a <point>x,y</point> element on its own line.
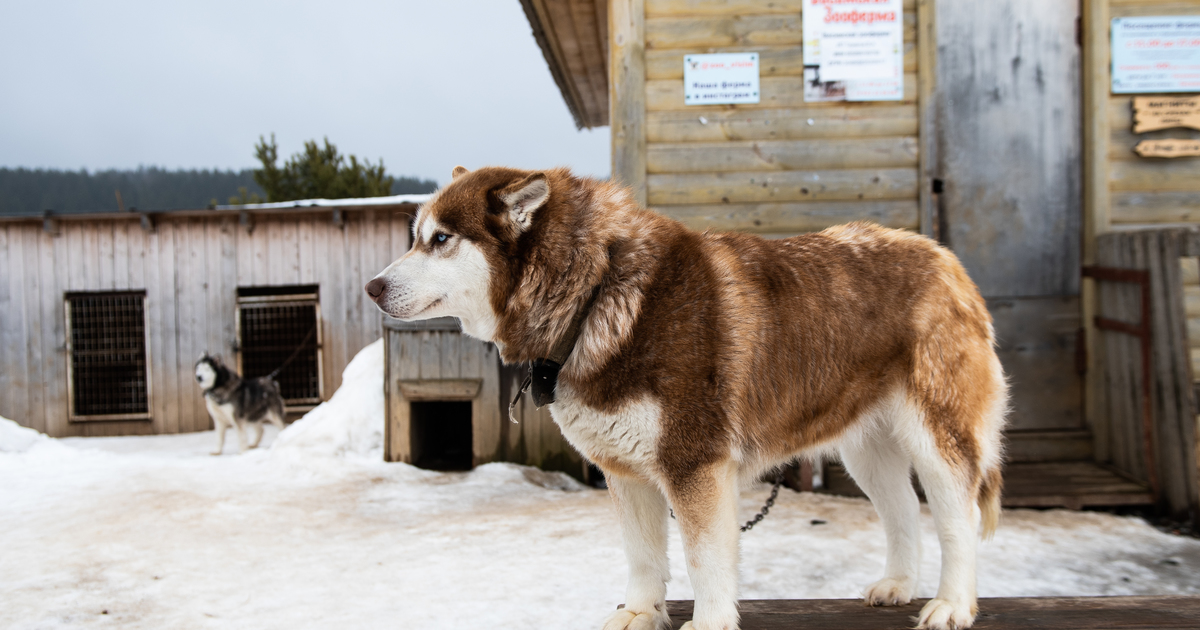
<point>628,436</point>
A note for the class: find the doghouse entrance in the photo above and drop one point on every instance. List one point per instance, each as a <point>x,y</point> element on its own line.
<point>441,434</point>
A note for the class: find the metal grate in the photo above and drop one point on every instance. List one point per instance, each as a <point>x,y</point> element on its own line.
<point>108,355</point>
<point>270,329</point>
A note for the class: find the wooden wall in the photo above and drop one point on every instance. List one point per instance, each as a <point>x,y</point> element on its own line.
<point>781,166</point>
<point>1129,190</point>
<point>190,267</point>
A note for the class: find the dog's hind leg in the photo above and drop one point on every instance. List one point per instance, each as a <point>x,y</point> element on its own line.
<point>241,434</point>
<point>882,470</point>
<point>705,503</point>
<point>642,509</point>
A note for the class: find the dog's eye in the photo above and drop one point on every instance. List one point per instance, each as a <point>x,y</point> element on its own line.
<point>441,237</point>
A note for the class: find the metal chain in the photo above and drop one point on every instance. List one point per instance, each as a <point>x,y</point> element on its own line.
<point>766,508</point>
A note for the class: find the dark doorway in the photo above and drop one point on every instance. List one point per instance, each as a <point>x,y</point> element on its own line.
<point>441,435</point>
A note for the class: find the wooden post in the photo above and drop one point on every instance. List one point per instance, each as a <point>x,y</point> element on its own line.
<point>1094,32</point>
<point>927,139</point>
<point>627,94</point>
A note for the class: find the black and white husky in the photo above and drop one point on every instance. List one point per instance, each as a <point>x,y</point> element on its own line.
<point>236,402</point>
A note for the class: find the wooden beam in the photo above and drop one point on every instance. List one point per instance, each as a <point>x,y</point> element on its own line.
<point>848,121</point>
<point>927,113</point>
<point>782,155</point>
<point>776,92</point>
<point>627,19</point>
<point>780,186</point>
<point>785,218</point>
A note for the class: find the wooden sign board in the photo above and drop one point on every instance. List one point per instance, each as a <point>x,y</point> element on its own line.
<point>1170,148</point>
<point>1151,113</point>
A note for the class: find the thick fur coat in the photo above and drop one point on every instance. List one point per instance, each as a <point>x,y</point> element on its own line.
<point>706,359</point>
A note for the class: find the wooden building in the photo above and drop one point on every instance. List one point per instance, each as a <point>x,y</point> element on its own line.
<point>1006,145</point>
<point>104,315</point>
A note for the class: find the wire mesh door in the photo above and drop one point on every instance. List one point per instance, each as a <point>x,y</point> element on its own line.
<point>271,329</point>
<point>108,378</point>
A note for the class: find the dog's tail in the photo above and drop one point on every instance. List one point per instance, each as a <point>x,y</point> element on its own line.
<point>989,501</point>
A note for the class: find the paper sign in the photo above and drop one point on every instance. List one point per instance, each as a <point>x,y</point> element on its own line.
<point>1169,148</point>
<point>1151,113</point>
<point>720,78</point>
<point>853,50</point>
<point>1156,54</point>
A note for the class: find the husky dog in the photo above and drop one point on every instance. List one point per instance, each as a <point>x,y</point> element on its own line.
<point>234,402</point>
<point>690,362</point>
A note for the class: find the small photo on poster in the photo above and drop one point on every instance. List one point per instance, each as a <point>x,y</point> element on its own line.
<point>817,90</point>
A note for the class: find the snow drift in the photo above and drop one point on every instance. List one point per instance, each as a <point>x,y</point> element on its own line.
<point>15,438</point>
<point>350,424</point>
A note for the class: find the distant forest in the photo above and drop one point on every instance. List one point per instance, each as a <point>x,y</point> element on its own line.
<point>31,192</point>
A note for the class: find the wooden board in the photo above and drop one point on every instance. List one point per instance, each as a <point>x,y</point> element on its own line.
<point>791,218</point>
<point>777,92</point>
<point>847,121</point>
<point>781,186</point>
<point>1151,113</point>
<point>781,155</point>
<point>1025,613</point>
<point>1168,148</point>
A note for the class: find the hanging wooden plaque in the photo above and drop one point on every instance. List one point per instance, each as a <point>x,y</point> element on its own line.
<point>1151,113</point>
<point>1169,148</point>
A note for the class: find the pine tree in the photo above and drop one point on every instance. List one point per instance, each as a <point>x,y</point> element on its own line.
<point>318,173</point>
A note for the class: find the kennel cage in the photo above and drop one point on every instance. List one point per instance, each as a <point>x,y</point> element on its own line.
<point>107,377</point>
<point>273,323</point>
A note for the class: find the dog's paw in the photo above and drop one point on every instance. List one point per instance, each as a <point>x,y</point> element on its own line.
<point>690,626</point>
<point>890,592</point>
<point>628,620</point>
<point>215,453</point>
<point>942,614</point>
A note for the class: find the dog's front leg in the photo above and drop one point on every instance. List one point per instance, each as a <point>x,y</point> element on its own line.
<point>642,509</point>
<point>705,502</point>
<point>221,428</point>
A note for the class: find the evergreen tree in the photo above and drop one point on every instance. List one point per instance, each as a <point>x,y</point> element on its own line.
<point>318,173</point>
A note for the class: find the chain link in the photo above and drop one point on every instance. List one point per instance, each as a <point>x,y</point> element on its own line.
<point>766,508</point>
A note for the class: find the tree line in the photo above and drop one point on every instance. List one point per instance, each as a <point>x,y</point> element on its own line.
<point>316,172</point>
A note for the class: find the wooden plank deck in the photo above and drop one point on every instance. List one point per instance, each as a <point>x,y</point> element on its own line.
<point>1007,613</point>
<point>1072,485</point>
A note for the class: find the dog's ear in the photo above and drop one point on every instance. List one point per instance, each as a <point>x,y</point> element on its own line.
<point>458,171</point>
<point>523,198</point>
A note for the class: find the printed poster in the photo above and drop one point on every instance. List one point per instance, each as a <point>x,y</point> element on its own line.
<point>1156,54</point>
<point>853,50</point>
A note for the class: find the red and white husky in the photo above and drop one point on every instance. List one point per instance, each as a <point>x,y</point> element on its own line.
<point>703,360</point>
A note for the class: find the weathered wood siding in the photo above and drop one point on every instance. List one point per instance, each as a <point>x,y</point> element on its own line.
<point>190,268</point>
<point>1148,190</point>
<point>437,354</point>
<point>781,166</point>
<point>1119,437</point>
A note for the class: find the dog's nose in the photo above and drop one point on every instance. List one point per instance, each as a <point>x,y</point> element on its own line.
<point>375,288</point>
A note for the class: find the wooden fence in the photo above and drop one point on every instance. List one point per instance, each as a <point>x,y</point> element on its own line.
<point>1169,460</point>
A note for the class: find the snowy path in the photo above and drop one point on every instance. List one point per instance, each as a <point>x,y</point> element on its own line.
<point>159,534</point>
<point>317,532</point>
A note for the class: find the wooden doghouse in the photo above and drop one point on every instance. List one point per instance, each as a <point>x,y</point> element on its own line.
<point>447,397</point>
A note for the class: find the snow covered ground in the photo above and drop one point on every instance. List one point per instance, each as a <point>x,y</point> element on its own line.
<point>315,532</point>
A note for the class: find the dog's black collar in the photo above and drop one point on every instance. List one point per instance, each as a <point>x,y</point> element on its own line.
<point>543,373</point>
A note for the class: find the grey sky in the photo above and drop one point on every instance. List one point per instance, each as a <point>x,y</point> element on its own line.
<point>424,85</point>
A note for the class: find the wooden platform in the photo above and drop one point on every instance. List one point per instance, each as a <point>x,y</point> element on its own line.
<point>1026,613</point>
<point>1072,485</point>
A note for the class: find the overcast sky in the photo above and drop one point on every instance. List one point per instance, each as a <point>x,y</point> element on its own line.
<point>425,85</point>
